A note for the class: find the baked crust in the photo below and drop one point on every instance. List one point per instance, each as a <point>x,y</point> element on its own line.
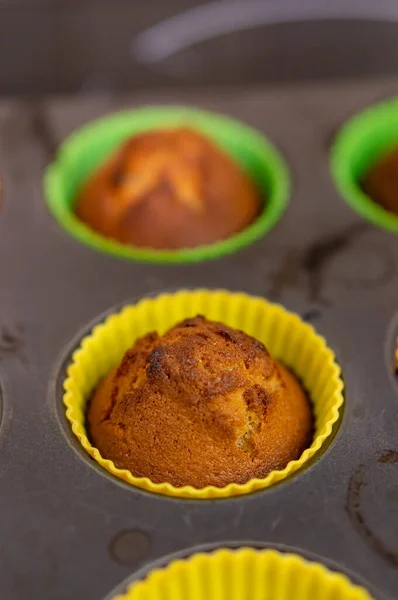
<point>381,182</point>
<point>168,189</point>
<point>204,404</point>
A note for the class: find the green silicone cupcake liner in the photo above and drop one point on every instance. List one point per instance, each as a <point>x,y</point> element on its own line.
<point>86,149</point>
<point>361,142</point>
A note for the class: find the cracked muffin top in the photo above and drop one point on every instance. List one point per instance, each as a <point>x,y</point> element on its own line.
<point>168,189</point>
<point>381,181</point>
<point>202,405</point>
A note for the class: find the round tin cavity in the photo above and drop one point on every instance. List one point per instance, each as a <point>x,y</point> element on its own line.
<point>287,337</point>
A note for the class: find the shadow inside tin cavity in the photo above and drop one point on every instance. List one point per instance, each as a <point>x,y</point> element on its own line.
<point>372,503</point>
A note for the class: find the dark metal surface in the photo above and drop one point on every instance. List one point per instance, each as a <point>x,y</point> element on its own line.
<point>68,529</point>
<point>63,46</point>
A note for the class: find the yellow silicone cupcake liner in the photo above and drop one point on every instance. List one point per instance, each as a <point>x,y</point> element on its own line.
<point>287,337</point>
<point>244,573</point>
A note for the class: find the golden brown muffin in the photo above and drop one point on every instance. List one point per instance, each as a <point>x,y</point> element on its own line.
<point>396,356</point>
<point>204,404</point>
<point>168,189</point>
<point>381,182</point>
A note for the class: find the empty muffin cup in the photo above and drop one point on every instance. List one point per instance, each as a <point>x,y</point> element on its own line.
<point>360,144</point>
<point>85,151</point>
<point>290,340</point>
<point>244,573</point>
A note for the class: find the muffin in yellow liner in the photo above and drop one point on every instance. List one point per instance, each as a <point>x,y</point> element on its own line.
<point>244,573</point>
<point>289,339</point>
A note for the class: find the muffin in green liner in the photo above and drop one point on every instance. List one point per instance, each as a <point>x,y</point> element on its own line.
<point>86,150</point>
<point>361,143</point>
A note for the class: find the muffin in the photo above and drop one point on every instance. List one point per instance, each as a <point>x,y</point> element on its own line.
<point>396,357</point>
<point>202,405</point>
<point>168,189</point>
<point>381,181</point>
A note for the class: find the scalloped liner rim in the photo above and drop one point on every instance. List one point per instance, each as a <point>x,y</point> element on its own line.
<point>208,492</point>
<point>288,558</point>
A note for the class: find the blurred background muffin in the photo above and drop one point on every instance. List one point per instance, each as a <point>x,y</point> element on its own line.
<point>168,189</point>
<point>381,181</point>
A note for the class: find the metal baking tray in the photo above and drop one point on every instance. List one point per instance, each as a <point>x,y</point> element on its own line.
<point>70,530</point>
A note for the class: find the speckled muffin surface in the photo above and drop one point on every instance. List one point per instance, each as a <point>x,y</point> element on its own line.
<point>204,404</point>
<point>168,189</point>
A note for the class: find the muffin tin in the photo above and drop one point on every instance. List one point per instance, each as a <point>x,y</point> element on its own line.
<point>71,530</point>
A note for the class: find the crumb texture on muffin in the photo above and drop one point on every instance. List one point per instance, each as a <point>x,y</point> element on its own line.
<point>168,189</point>
<point>204,404</point>
<point>381,181</point>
